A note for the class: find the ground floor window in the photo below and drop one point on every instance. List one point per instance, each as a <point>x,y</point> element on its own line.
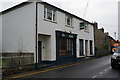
<point>81,47</point>
<point>91,47</point>
<point>66,47</point>
<point>86,47</point>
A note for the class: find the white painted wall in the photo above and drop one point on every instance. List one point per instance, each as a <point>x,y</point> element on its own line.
<point>46,46</point>
<point>19,29</point>
<point>0,33</point>
<point>19,32</point>
<point>49,28</point>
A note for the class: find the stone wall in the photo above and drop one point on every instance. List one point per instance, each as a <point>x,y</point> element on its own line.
<point>17,62</point>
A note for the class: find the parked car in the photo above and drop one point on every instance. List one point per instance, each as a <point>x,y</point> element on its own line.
<point>115,59</point>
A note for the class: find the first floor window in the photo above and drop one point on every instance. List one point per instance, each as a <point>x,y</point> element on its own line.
<point>84,26</point>
<point>66,47</point>
<point>81,47</point>
<point>49,14</point>
<point>68,20</point>
<point>81,25</point>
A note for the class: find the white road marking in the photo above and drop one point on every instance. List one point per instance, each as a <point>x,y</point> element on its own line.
<point>94,76</point>
<point>101,73</point>
<point>109,67</point>
<point>106,70</point>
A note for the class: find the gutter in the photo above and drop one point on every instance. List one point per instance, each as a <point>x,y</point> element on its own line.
<point>36,38</point>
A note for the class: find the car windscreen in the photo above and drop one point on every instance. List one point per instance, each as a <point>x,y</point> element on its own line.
<point>118,50</point>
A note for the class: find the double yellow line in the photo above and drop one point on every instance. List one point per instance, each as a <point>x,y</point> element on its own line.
<point>54,68</point>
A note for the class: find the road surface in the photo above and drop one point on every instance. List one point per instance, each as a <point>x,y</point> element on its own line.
<point>95,68</point>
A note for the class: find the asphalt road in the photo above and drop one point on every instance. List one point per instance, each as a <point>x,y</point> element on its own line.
<point>96,68</point>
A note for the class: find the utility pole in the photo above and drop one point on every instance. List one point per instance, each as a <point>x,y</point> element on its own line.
<point>115,35</point>
<point>86,8</point>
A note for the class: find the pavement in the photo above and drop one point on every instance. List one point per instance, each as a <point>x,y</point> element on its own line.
<point>90,69</point>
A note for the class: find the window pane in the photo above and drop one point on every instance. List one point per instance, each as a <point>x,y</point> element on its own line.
<point>81,46</point>
<point>66,47</point>
<point>44,12</point>
<point>53,15</point>
<point>91,48</point>
<point>49,14</point>
<point>68,21</point>
<point>82,25</point>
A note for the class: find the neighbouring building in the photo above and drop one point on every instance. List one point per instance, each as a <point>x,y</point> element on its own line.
<point>51,34</point>
<point>103,41</point>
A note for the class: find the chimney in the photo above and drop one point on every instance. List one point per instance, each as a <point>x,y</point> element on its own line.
<point>95,25</point>
<point>102,29</point>
<point>107,34</point>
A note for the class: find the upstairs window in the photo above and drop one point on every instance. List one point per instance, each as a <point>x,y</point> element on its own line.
<point>49,14</point>
<point>68,20</point>
<point>84,26</point>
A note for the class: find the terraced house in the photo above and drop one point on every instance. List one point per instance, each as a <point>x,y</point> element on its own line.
<point>50,34</point>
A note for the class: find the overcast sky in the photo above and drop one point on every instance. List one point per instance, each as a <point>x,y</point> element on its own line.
<point>105,12</point>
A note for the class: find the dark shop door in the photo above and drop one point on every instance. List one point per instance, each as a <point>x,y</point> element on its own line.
<point>39,51</point>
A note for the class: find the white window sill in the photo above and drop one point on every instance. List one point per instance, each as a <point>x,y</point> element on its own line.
<point>92,55</point>
<point>69,26</point>
<point>86,31</point>
<point>50,21</point>
<point>81,56</point>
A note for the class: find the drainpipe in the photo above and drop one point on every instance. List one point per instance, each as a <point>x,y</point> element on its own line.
<point>36,37</point>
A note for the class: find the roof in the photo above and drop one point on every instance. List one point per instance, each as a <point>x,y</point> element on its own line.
<point>43,2</point>
<point>112,38</point>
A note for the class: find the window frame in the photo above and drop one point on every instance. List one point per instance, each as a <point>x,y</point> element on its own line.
<point>85,26</point>
<point>53,14</point>
<point>81,27</point>
<point>66,21</point>
<point>91,47</point>
<point>81,43</point>
<point>67,48</point>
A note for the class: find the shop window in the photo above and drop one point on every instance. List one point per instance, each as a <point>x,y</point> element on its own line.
<point>86,47</point>
<point>81,47</point>
<point>91,47</point>
<point>66,47</point>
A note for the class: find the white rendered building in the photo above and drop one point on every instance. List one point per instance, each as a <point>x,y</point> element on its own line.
<point>52,34</point>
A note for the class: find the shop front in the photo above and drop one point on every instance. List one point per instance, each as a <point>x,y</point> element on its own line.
<point>65,47</point>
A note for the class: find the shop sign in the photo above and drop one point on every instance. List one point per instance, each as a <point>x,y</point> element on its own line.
<point>67,35</point>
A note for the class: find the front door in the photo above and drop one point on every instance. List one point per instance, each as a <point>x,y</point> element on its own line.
<point>65,47</point>
<point>39,51</point>
<point>91,48</point>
